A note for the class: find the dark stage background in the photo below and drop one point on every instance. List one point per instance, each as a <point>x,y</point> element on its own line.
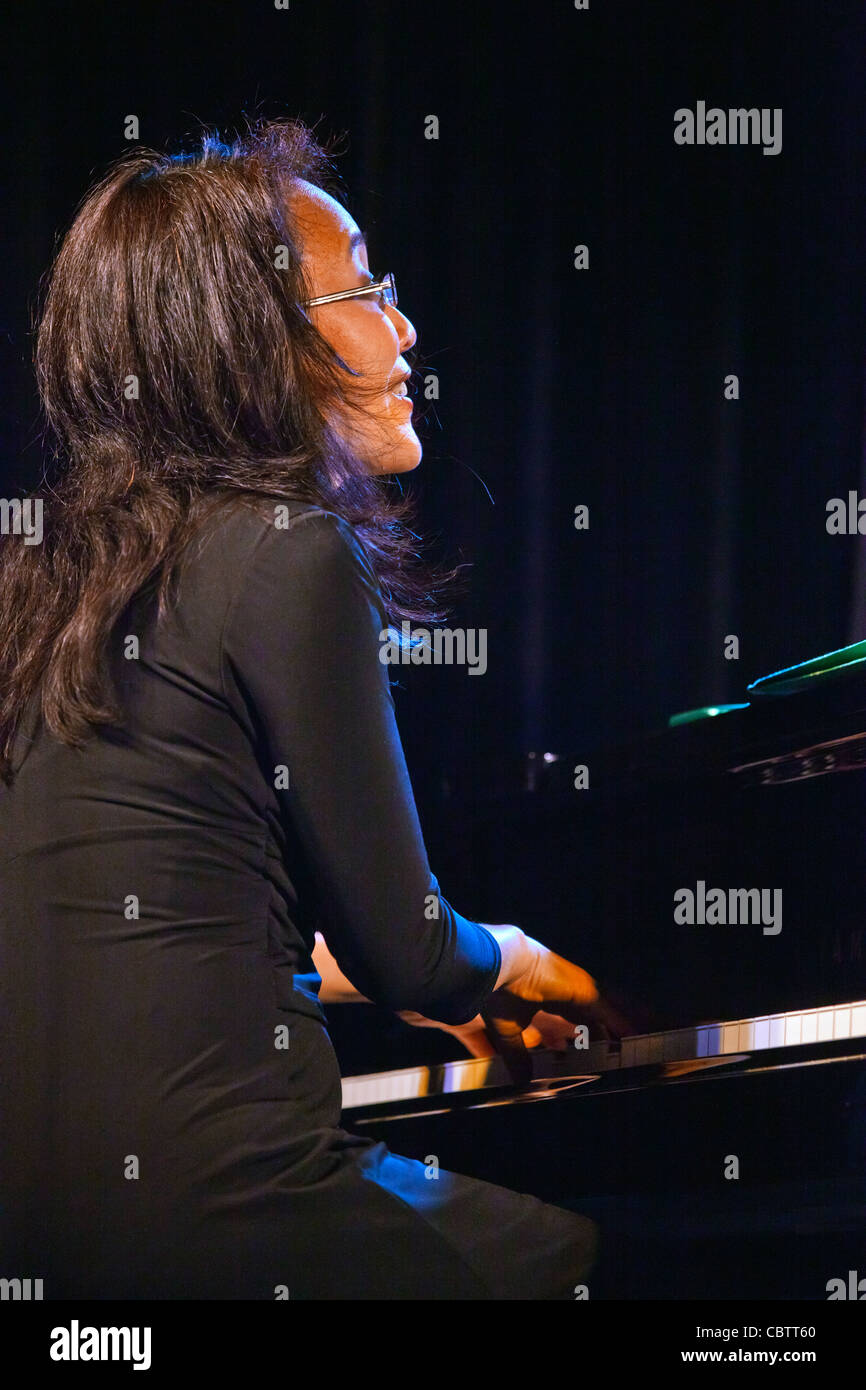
<point>557,386</point>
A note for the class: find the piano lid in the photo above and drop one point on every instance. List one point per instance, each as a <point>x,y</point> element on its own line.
<point>794,680</point>
<point>791,680</point>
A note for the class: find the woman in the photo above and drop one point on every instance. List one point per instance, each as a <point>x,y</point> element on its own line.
<point>201,770</point>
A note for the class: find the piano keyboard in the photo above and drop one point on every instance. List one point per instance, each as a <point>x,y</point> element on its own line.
<point>680,1050</point>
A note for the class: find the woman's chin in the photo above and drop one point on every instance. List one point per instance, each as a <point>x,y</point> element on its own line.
<point>400,458</point>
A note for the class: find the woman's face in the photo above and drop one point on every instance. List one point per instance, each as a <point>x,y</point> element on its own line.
<point>368,334</point>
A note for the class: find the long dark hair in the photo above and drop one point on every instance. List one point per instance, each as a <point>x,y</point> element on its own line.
<point>178,374</point>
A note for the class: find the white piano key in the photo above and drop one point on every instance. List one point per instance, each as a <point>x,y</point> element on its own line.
<point>745,1036</point>
<point>809,1031</point>
<point>381,1087</point>
<point>762,1033</point>
<point>793,1024</point>
<point>683,1045</point>
<point>825,1024</point>
<point>858,1021</point>
<point>841,1023</point>
<point>596,1056</point>
<point>777,1030</point>
<point>416,1084</point>
<point>456,1075</point>
<point>730,1038</point>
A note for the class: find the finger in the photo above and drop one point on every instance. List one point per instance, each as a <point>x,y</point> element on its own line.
<point>600,1012</point>
<point>609,1018</point>
<point>477,1044</point>
<point>556,1033</point>
<point>507,1037</point>
<point>576,1001</point>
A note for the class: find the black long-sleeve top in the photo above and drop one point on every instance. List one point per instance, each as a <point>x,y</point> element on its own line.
<point>160,887</point>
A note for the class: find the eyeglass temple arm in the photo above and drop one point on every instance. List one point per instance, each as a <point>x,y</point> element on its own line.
<point>349,294</point>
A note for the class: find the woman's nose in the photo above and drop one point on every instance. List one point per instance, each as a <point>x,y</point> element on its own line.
<point>405,329</point>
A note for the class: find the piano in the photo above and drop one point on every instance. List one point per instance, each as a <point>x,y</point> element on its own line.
<point>721,1145</point>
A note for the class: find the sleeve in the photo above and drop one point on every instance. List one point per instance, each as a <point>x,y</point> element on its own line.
<point>302,642</point>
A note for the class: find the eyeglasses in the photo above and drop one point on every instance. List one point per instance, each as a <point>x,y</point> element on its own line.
<point>387,288</point>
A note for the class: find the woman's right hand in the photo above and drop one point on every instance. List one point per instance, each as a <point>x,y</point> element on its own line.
<point>533,978</point>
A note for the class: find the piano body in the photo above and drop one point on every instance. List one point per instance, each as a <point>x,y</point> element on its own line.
<point>722,1144</point>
